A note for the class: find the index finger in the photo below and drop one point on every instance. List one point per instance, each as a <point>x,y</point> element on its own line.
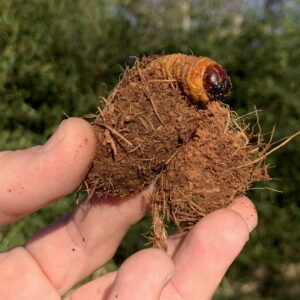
<point>32,178</point>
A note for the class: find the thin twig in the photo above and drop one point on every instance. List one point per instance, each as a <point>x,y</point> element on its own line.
<point>270,139</point>
<point>172,156</point>
<point>271,151</point>
<point>92,192</point>
<point>265,188</point>
<point>259,138</point>
<point>162,80</point>
<point>113,131</point>
<point>283,143</point>
<point>248,114</point>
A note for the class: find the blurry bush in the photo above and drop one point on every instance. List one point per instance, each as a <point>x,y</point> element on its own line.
<point>56,56</point>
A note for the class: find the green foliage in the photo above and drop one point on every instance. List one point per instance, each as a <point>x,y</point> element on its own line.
<point>56,56</point>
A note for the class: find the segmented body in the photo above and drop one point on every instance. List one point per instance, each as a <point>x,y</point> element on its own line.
<point>202,79</point>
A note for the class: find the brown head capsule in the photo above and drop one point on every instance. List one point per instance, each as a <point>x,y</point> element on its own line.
<point>202,78</point>
<point>216,82</point>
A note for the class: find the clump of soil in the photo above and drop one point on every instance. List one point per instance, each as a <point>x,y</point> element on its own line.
<point>153,128</point>
<point>217,164</point>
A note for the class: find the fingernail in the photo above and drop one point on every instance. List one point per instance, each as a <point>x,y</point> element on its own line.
<point>247,210</point>
<point>55,139</point>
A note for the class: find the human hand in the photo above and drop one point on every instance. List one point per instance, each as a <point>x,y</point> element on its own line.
<point>62,254</point>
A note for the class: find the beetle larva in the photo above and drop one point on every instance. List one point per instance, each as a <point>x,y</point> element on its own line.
<point>202,78</point>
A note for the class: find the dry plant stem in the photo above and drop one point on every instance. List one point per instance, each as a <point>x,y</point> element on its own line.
<point>158,227</point>
<point>115,133</point>
<point>262,157</point>
<point>283,143</point>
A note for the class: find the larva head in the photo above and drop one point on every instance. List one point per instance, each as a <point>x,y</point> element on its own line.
<point>216,82</point>
<point>208,81</point>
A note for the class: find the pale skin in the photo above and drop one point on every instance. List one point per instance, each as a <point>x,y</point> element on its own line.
<point>59,256</point>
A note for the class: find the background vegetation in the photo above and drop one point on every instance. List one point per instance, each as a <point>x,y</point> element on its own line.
<point>58,57</point>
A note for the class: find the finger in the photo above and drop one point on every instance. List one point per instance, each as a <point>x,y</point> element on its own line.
<point>143,276</point>
<point>96,289</point>
<point>206,253</point>
<point>22,278</point>
<point>72,248</point>
<point>174,242</point>
<point>245,207</point>
<point>32,178</point>
<point>242,205</point>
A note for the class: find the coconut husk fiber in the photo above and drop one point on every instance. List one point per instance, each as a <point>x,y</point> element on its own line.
<point>165,122</point>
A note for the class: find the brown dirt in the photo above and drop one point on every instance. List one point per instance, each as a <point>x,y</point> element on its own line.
<point>200,157</point>
<point>208,173</point>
